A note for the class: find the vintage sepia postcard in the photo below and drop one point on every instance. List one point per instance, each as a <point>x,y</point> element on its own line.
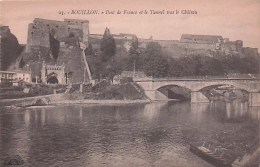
<point>120,83</point>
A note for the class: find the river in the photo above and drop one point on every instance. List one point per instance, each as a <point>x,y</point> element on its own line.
<point>145,135</point>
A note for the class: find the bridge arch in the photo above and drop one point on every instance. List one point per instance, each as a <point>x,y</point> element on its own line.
<point>173,91</point>
<point>198,86</point>
<point>197,91</point>
<point>236,86</point>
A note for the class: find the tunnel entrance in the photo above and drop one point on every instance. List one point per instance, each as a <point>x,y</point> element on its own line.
<point>52,80</point>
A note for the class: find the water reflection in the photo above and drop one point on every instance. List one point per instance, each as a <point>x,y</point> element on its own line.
<point>27,118</point>
<point>43,116</point>
<point>156,134</point>
<point>152,111</point>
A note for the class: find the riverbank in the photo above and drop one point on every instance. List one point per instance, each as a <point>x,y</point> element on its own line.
<point>102,93</point>
<point>58,99</point>
<point>112,102</point>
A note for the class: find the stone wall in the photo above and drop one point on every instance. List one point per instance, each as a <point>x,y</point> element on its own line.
<point>39,30</point>
<point>250,51</point>
<point>188,44</point>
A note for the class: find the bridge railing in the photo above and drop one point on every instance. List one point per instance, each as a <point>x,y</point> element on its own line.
<point>229,76</point>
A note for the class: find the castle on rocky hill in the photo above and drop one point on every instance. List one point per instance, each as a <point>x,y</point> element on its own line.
<point>189,43</point>
<point>58,42</point>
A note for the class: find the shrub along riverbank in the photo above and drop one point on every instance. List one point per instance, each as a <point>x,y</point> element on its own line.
<point>100,93</point>
<point>104,91</point>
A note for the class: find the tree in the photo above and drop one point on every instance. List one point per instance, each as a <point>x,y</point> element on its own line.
<point>156,66</point>
<point>134,46</point>
<point>54,46</point>
<point>21,63</point>
<point>154,62</point>
<point>108,46</point>
<point>89,50</point>
<point>153,48</point>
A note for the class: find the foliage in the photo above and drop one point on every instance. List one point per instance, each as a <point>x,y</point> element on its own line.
<point>154,62</point>
<point>10,50</point>
<point>89,50</point>
<point>217,65</point>
<point>108,46</point>
<point>134,46</point>
<point>21,63</point>
<point>54,47</point>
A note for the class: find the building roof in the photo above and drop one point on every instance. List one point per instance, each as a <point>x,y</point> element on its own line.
<point>22,71</point>
<point>200,38</point>
<point>47,20</point>
<point>9,72</point>
<point>131,74</point>
<point>125,34</point>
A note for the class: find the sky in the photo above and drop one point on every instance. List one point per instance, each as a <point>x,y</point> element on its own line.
<point>233,19</point>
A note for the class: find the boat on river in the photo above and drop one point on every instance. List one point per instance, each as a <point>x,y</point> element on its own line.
<point>210,156</point>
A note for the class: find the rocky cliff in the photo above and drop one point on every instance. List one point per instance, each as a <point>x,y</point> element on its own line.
<point>9,48</point>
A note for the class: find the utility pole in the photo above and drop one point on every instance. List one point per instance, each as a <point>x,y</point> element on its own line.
<point>134,68</point>
<point>67,77</point>
<point>84,74</point>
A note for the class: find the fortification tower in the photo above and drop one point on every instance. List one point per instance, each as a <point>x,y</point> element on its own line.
<point>40,30</point>
<point>78,28</point>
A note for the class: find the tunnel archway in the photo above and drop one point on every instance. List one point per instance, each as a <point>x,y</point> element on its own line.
<point>175,92</point>
<point>53,80</point>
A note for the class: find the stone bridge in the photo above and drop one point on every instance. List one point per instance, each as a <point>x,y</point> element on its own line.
<point>151,86</point>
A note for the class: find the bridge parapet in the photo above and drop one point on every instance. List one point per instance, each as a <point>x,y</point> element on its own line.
<point>250,85</point>
<point>195,85</point>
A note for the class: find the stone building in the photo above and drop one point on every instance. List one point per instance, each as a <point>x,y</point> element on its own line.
<point>53,74</point>
<point>56,43</point>
<point>15,76</point>
<point>40,29</point>
<point>23,75</point>
<point>201,41</point>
